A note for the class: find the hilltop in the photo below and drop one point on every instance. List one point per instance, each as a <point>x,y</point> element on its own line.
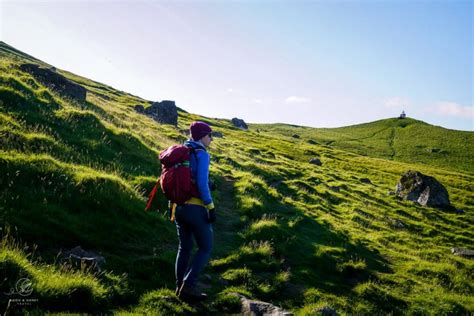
<point>406,140</point>
<point>77,173</point>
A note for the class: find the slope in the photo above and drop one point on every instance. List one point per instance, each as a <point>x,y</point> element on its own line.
<point>406,140</point>
<point>295,234</point>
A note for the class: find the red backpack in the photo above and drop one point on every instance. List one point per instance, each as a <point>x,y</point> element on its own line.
<point>176,179</point>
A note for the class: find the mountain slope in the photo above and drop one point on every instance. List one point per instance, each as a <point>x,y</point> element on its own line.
<point>298,235</point>
<point>406,140</point>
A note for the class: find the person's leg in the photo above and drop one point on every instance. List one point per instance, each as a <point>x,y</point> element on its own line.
<point>185,246</point>
<point>203,234</point>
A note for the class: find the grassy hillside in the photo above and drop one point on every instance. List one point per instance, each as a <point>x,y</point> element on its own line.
<point>406,140</point>
<point>289,232</point>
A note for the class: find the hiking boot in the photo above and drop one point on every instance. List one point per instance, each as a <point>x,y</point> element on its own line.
<point>191,293</point>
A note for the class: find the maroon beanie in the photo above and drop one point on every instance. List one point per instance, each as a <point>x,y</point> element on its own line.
<point>199,130</point>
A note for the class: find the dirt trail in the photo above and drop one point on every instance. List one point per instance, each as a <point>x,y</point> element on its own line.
<point>228,219</point>
<point>390,143</point>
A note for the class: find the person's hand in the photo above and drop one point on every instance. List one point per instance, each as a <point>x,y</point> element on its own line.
<point>212,215</point>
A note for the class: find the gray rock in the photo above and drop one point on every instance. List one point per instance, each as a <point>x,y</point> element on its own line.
<point>463,252</point>
<point>239,123</point>
<point>275,184</point>
<point>140,109</point>
<point>335,188</point>
<point>217,135</point>
<point>259,308</point>
<point>394,222</point>
<point>424,190</point>
<point>55,81</point>
<point>79,258</point>
<point>316,161</point>
<point>164,112</point>
<point>326,311</point>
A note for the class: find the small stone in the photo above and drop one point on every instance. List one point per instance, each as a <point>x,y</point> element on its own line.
<point>335,188</point>
<point>463,252</point>
<point>217,135</point>
<point>315,161</point>
<point>326,311</point>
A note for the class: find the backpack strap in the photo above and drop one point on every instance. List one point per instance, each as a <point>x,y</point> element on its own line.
<point>193,151</point>
<point>152,194</point>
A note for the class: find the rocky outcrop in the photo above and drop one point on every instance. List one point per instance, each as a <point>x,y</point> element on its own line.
<point>80,258</point>
<point>259,308</point>
<point>56,82</point>
<point>423,189</point>
<point>164,112</point>
<point>239,123</point>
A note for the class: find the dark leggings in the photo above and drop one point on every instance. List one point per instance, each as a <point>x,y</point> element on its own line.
<point>192,221</point>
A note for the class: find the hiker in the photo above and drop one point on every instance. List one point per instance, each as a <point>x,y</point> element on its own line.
<point>194,218</point>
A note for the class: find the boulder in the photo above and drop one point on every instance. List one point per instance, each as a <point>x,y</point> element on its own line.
<point>164,112</point>
<point>295,136</point>
<point>316,161</point>
<point>139,109</point>
<point>55,81</point>
<point>423,189</point>
<point>259,308</point>
<point>217,135</point>
<point>79,258</point>
<point>239,123</point>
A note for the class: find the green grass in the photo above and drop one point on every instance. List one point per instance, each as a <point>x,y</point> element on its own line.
<point>406,140</point>
<point>298,235</point>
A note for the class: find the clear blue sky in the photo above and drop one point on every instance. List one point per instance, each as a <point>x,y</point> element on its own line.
<point>313,63</point>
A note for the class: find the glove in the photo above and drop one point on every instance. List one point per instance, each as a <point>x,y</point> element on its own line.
<point>212,215</point>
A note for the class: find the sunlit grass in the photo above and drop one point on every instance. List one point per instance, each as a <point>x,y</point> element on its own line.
<point>299,235</point>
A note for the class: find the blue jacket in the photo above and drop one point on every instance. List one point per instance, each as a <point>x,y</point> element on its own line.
<point>200,169</point>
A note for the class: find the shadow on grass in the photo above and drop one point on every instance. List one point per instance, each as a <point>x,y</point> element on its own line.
<point>84,138</point>
<point>288,251</point>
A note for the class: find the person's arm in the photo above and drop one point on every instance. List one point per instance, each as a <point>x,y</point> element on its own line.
<point>202,180</point>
